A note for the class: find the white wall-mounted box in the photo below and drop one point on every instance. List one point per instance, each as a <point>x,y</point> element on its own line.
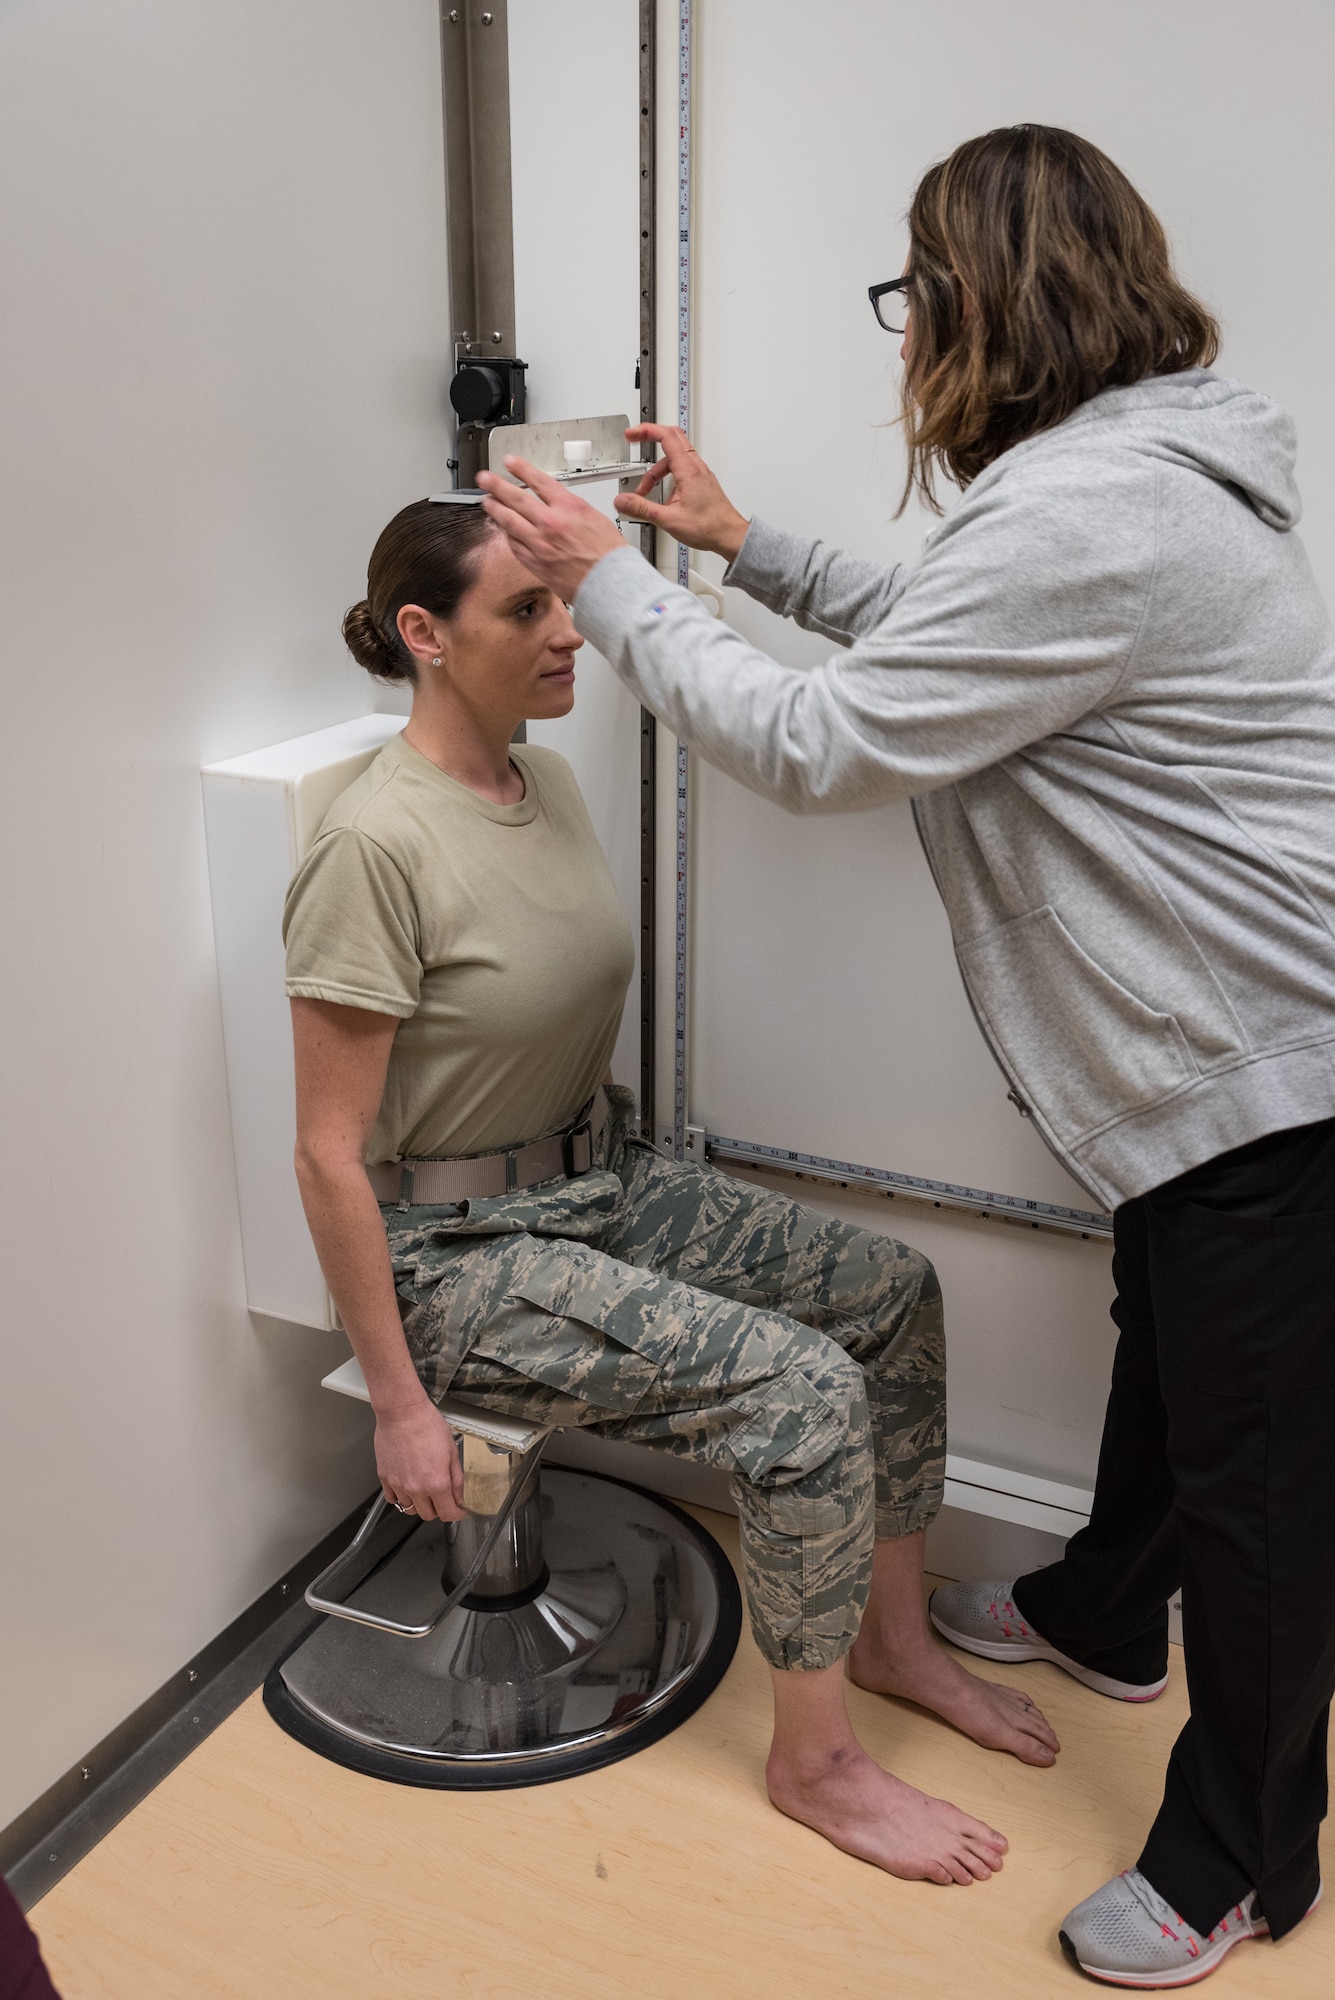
<point>261,812</point>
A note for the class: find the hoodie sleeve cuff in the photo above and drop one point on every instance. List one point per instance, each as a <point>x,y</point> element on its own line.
<point>767,562</point>
<point>612,595</point>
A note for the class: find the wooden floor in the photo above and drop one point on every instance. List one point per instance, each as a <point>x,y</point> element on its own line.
<point>258,1871</point>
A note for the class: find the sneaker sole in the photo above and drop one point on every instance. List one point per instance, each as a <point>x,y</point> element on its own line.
<point>1146,1982</point>
<point>1019,1650</point>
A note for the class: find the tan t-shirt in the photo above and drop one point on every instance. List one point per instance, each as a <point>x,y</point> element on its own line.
<point>494,932</point>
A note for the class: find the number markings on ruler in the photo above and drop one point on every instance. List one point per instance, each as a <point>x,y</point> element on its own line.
<point>914,1187</point>
<point>679,1079</point>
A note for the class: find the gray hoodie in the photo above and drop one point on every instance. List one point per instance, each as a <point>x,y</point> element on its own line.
<point>1109,688</point>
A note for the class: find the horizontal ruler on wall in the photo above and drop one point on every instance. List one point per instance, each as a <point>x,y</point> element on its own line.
<point>911,1187</point>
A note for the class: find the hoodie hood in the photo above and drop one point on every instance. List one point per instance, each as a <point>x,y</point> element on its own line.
<point>1221,429</point>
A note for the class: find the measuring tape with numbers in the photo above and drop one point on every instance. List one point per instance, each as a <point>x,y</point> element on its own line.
<point>682,799</point>
<point>912,1187</point>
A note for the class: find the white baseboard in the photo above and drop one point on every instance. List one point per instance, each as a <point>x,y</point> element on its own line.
<point>994,1523</point>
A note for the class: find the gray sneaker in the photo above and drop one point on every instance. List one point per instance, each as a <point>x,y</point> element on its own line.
<point>1128,1935</point>
<point>982,1618</point>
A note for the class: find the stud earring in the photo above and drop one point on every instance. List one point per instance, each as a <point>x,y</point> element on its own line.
<point>436,661</point>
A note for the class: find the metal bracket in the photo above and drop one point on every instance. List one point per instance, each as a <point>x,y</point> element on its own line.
<point>695,1147</point>
<point>606,454</point>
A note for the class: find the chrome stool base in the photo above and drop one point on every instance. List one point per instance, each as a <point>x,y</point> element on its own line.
<point>630,1627</point>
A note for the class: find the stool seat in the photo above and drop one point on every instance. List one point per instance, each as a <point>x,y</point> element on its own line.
<point>506,1433</point>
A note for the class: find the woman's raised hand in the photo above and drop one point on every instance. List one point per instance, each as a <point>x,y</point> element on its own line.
<point>697,512</point>
<point>555,534</point>
<point>559,537</point>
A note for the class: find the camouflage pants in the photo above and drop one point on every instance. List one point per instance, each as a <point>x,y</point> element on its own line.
<point>668,1305</point>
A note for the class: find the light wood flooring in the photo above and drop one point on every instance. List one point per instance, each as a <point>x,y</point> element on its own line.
<point>258,1871</point>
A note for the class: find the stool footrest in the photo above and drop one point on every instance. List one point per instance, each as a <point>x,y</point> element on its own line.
<point>337,1607</point>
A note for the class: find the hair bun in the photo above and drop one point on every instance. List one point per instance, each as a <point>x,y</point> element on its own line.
<point>369,646</point>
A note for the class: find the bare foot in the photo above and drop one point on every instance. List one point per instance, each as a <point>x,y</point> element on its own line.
<point>998,1717</point>
<point>880,1819</point>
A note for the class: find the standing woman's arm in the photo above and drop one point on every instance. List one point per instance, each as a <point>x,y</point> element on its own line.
<point>822,588</point>
<point>1022,617</point>
<point>342,1055</point>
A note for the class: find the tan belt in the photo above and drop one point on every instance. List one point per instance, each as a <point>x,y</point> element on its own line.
<point>561,1155</point>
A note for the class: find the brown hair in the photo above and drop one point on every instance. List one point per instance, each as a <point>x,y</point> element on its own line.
<point>428,556</point>
<point>1070,288</point>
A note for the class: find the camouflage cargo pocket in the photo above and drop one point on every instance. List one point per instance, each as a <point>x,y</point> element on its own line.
<point>585,1325</point>
<point>788,1430</point>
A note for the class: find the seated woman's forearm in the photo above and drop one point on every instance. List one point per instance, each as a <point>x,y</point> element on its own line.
<point>349,1237</point>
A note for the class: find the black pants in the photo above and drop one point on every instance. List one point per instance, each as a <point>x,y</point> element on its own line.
<point>22,1973</point>
<point>1217,1474</point>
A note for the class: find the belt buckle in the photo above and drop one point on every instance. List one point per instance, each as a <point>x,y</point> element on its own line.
<point>584,1132</point>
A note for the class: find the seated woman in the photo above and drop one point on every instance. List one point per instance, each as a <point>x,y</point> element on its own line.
<point>457,964</point>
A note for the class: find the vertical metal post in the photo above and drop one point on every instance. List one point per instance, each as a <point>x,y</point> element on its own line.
<point>475,79</point>
<point>680,969</point>
<point>475,83</point>
<point>648,548</point>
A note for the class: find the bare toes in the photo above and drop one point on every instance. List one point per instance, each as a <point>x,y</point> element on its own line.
<point>1032,1722</point>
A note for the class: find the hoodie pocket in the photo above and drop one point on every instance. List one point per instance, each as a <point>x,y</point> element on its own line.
<point>1082,1047</point>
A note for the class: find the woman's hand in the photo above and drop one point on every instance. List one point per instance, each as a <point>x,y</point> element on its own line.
<point>418,1462</point>
<point>555,534</point>
<point>698,512</point>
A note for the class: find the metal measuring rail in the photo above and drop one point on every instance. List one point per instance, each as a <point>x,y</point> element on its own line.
<point>910,1187</point>
<point>682,800</point>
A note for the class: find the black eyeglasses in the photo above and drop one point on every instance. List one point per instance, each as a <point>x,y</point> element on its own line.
<point>890,303</point>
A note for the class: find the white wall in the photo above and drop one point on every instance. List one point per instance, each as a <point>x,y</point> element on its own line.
<point>827,1011</point>
<point>225,338</point>
<point>574,123</point>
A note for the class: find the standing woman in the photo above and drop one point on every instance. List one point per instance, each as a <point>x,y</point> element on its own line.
<point>1109,688</point>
